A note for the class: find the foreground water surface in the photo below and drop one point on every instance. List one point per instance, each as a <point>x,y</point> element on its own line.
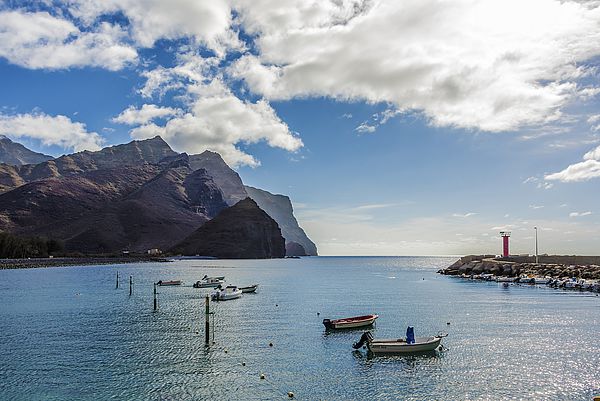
<point>68,334</point>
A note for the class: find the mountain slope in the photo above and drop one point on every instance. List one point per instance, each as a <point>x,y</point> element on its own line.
<point>279,207</point>
<point>226,178</point>
<point>15,154</point>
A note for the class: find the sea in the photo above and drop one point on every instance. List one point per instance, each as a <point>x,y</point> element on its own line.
<point>67,333</point>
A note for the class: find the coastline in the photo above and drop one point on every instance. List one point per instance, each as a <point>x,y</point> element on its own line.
<point>34,263</point>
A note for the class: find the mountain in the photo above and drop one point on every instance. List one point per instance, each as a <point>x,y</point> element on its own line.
<point>242,231</point>
<point>136,196</point>
<point>279,207</point>
<point>130,207</point>
<point>130,154</point>
<point>15,154</point>
<point>227,179</point>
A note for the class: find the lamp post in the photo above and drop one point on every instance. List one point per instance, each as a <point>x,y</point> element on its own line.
<point>536,246</point>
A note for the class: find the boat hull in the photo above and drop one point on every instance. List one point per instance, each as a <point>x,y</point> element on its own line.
<point>249,289</point>
<point>350,323</point>
<point>395,346</point>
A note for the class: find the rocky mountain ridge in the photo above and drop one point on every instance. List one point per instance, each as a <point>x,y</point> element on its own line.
<point>135,196</point>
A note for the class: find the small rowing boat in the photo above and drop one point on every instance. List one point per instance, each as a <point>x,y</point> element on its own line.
<point>250,288</point>
<point>408,345</point>
<point>171,282</point>
<point>350,322</point>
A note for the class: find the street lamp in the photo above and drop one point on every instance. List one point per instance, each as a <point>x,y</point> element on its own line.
<point>536,246</point>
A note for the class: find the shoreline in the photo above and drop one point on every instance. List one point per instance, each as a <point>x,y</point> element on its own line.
<point>35,263</point>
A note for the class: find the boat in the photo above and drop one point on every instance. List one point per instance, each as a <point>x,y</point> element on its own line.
<point>206,277</point>
<point>541,280</point>
<point>350,322</point>
<point>408,345</point>
<point>227,293</point>
<point>250,288</point>
<point>210,282</point>
<point>504,279</point>
<point>171,282</point>
<point>526,280</point>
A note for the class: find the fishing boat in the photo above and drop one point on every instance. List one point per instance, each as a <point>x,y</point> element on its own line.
<point>171,282</point>
<point>350,322</point>
<point>250,288</point>
<point>526,280</point>
<point>408,345</point>
<point>227,293</point>
<point>210,282</point>
<point>504,279</point>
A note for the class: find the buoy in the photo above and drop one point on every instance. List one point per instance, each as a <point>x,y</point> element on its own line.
<point>225,350</point>
<point>214,342</point>
<point>243,363</point>
<point>448,323</point>
<point>276,305</point>
<point>270,344</point>
<point>197,332</point>
<point>262,376</point>
<point>318,313</point>
<point>290,394</point>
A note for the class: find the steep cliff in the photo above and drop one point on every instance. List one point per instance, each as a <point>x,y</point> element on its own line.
<point>242,231</point>
<point>279,207</point>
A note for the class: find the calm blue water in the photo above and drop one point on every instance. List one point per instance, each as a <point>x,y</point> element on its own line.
<point>68,334</point>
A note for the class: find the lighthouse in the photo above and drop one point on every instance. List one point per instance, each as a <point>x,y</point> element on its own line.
<point>505,235</point>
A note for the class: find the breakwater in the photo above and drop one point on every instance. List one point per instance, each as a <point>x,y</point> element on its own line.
<point>80,261</point>
<point>555,267</point>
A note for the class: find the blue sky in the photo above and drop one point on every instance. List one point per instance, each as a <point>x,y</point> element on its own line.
<point>397,129</point>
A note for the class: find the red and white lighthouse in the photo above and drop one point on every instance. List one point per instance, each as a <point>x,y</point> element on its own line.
<point>505,235</point>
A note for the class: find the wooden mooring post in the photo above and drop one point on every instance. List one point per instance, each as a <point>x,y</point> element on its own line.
<point>117,287</point>
<point>206,323</point>
<point>155,300</point>
<point>130,285</point>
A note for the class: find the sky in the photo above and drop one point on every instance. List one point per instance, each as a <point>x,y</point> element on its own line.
<point>418,127</point>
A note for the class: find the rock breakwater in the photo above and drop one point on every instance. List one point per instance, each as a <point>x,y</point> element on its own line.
<point>555,267</point>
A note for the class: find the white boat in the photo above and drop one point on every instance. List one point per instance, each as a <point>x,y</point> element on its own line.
<point>503,279</point>
<point>227,293</point>
<point>210,282</point>
<point>541,280</point>
<point>399,345</point>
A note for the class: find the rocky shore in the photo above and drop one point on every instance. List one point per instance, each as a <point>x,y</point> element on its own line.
<point>555,267</point>
<point>83,261</point>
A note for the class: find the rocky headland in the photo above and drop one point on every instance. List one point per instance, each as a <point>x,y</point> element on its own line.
<point>552,266</point>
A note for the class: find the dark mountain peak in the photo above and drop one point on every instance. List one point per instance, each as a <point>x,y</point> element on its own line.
<point>178,160</point>
<point>15,154</point>
<point>242,231</point>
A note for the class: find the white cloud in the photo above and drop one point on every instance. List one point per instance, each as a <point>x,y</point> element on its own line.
<point>207,22</point>
<point>40,40</point>
<point>50,130</point>
<point>579,214</point>
<point>464,215</point>
<point>143,115</point>
<point>582,171</point>
<point>486,65</point>
<point>219,121</point>
<point>535,207</point>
